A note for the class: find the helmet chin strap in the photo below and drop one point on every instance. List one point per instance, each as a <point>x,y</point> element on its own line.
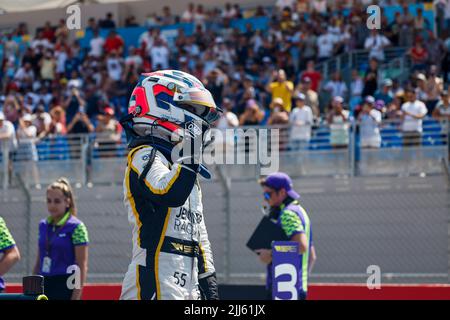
<point>163,146</point>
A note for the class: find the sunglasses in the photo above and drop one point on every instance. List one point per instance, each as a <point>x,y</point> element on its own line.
<point>268,195</point>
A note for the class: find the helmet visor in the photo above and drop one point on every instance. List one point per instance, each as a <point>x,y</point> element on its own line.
<point>199,102</point>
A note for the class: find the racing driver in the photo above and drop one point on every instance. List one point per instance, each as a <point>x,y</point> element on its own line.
<point>169,114</point>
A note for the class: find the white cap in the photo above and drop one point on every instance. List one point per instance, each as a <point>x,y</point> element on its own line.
<point>2,116</point>
<point>27,117</point>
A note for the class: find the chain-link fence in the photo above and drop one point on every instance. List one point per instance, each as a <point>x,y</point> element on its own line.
<point>398,224</point>
<point>386,206</point>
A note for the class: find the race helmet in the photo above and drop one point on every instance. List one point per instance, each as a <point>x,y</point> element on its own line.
<point>164,102</point>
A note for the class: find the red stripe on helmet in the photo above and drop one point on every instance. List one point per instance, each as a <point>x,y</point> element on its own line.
<point>140,106</point>
<point>157,89</point>
<point>166,124</point>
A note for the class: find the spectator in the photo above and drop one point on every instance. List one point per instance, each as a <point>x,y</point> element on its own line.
<point>281,88</point>
<point>74,103</point>
<point>8,141</point>
<point>26,136</point>
<point>108,22</point>
<point>57,253</point>
<point>96,44</point>
<point>338,120</point>
<point>58,124</point>
<point>436,50</point>
<point>386,93</point>
<point>413,111</point>
<point>278,116</point>
<point>336,86</point>
<point>80,124</point>
<point>252,115</point>
<point>356,89</point>
<point>108,133</point>
<point>42,121</point>
<point>376,43</point>
<point>113,42</point>
<point>301,121</point>
<point>188,14</point>
<point>311,96</point>
<point>434,86</point>
<point>167,17</point>
<point>442,110</point>
<point>419,56</point>
<point>326,43</point>
<point>48,67</point>
<point>115,66</point>
<point>313,75</point>
<point>159,54</point>
<point>9,253</point>
<point>227,119</point>
<point>370,120</point>
<point>371,79</point>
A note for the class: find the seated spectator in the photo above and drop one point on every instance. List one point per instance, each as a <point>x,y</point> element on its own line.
<point>434,86</point>
<point>108,133</point>
<point>278,116</point>
<point>413,111</point>
<point>301,120</point>
<point>281,88</point>
<point>338,120</point>
<point>8,141</point>
<point>369,122</point>
<point>159,54</point>
<point>252,116</point>
<point>189,14</point>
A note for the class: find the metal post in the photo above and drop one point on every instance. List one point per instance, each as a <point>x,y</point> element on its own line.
<point>352,149</point>
<point>84,158</point>
<point>27,195</point>
<point>226,183</point>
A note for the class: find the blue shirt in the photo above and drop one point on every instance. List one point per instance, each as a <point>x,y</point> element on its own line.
<point>58,242</point>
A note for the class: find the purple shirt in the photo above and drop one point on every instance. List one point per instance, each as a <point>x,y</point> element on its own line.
<point>58,242</point>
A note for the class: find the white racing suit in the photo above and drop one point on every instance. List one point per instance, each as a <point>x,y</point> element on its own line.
<point>172,257</point>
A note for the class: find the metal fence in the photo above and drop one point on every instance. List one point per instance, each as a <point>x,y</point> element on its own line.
<point>387,206</point>
<point>398,224</point>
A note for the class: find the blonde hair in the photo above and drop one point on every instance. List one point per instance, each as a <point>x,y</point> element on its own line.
<point>64,185</point>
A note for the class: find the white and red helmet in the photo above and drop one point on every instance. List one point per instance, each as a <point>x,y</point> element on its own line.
<point>164,101</point>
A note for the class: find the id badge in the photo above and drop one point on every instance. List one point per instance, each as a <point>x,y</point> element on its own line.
<point>46,265</point>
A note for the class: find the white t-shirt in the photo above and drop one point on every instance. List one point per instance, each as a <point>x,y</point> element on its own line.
<point>376,46</point>
<point>8,129</point>
<point>96,47</point>
<point>417,108</point>
<point>114,68</point>
<point>357,87</point>
<point>370,131</point>
<point>337,88</point>
<point>61,58</point>
<point>301,120</point>
<point>228,120</point>
<point>160,56</point>
<point>326,44</point>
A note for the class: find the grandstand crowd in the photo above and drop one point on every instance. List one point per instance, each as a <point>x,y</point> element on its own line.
<point>50,84</point>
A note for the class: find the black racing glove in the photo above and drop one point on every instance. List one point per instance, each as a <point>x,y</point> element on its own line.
<point>209,288</point>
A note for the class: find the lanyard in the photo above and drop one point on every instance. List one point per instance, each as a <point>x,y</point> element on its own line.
<point>48,242</point>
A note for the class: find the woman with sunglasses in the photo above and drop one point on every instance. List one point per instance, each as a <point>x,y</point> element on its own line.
<point>294,221</point>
